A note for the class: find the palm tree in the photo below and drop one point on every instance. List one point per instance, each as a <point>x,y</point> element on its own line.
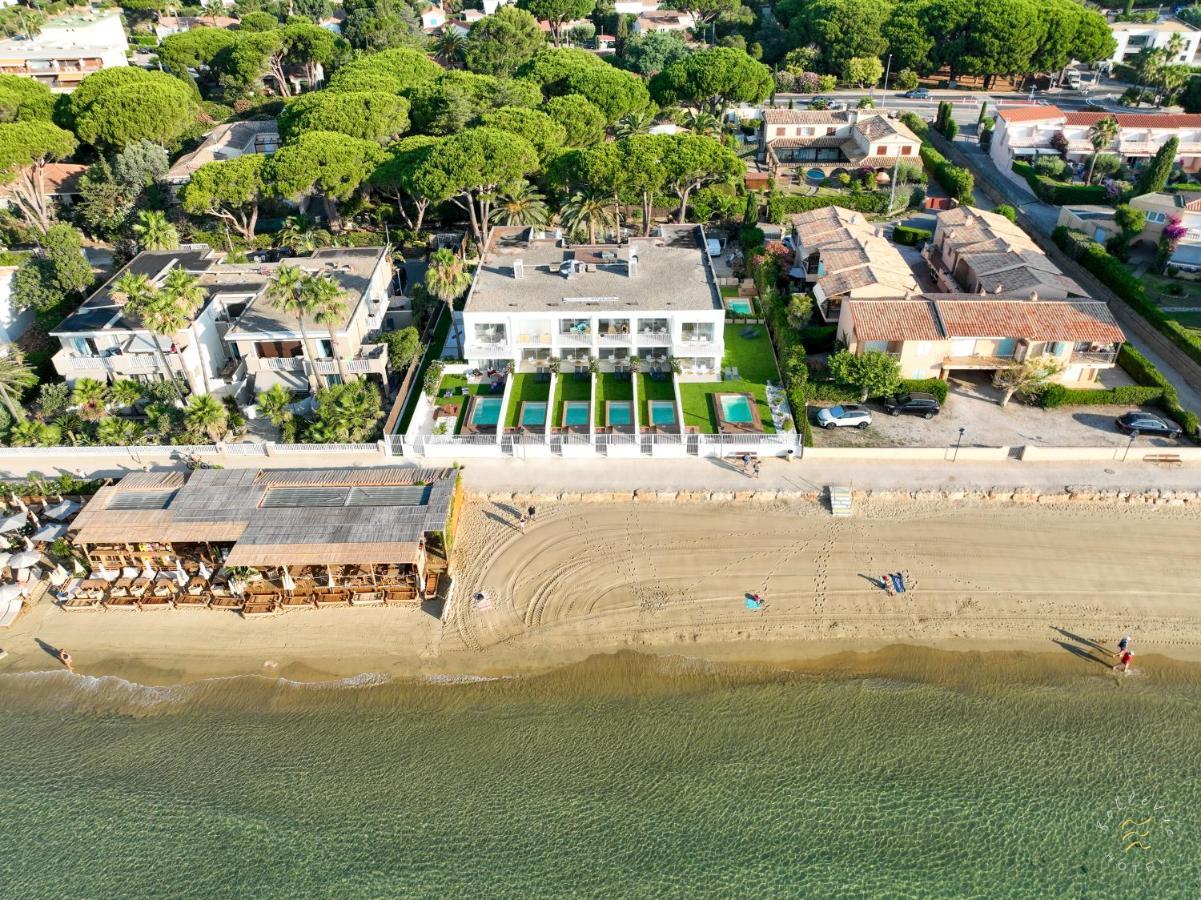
<point>115,432</point>
<point>161,419</point>
<point>1100,134</point>
<point>32,433</point>
<point>287,294</point>
<point>274,403</point>
<point>520,204</point>
<point>158,314</point>
<point>154,232</point>
<point>446,278</point>
<point>346,413</point>
<point>73,430</point>
<point>182,289</point>
<point>633,123</point>
<point>449,46</point>
<point>126,392</point>
<point>587,209</point>
<point>15,376</point>
<point>213,9</point>
<point>703,123</point>
<point>91,396</point>
<point>326,299</point>
<point>301,235</point>
<point>207,415</point>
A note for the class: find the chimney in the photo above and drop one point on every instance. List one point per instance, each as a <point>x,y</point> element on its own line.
<point>632,264</point>
<point>518,268</point>
<point>1034,295</point>
<point>852,116</point>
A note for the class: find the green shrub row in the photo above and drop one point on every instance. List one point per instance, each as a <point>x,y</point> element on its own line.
<point>1113,273</point>
<point>907,235</point>
<point>1144,372</point>
<point>831,392</point>
<point>1051,191</point>
<point>1056,395</point>
<point>935,386</point>
<point>781,206</point>
<point>956,180</point>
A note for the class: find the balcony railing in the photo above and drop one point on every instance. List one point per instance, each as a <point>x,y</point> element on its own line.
<point>575,339</point>
<point>118,363</point>
<point>618,339</point>
<point>1094,357</point>
<point>370,358</point>
<point>541,338</point>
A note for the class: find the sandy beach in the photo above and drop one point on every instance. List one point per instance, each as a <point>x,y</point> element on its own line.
<point>665,578</point>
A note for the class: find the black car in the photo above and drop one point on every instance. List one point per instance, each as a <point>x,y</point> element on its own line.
<point>924,405</point>
<point>1139,422</point>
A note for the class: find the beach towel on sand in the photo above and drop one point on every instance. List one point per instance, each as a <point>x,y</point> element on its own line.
<point>898,582</point>
<point>752,603</point>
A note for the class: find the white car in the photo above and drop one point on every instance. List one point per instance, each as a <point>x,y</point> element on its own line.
<point>844,415</point>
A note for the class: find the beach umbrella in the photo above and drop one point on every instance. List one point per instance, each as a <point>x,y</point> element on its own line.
<point>63,510</point>
<point>148,573</point>
<point>181,577</point>
<point>329,577</point>
<point>24,559</point>
<point>27,542</point>
<point>13,523</point>
<point>237,586</point>
<point>205,572</point>
<point>50,532</point>
<point>79,570</point>
<point>285,579</point>
<point>9,591</point>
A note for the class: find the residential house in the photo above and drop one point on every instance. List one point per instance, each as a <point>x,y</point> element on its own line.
<point>67,49</point>
<point>491,6</point>
<point>13,322</point>
<point>1185,207</point>
<point>169,25</point>
<point>535,295</point>
<point>635,7</point>
<point>1026,132</point>
<point>663,20</point>
<point>935,335</point>
<point>1134,37</point>
<point>796,140</point>
<point>433,17</point>
<point>228,141</point>
<point>842,256</point>
<point>978,252</point>
<point>1095,221</point>
<point>59,180</point>
<point>236,340</point>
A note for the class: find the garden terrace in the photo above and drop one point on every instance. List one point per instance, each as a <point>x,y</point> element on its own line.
<point>756,364</point>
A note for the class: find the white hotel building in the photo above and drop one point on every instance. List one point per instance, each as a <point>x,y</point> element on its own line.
<point>536,296</point>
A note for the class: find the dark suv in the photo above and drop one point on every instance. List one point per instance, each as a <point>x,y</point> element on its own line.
<point>924,405</point>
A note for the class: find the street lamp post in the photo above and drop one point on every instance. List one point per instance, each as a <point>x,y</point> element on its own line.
<point>887,71</point>
<point>1129,444</point>
<point>958,441</point>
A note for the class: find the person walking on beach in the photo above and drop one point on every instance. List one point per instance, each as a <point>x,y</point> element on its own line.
<point>531,512</point>
<point>521,521</point>
<point>1123,644</point>
<point>746,463</point>
<point>65,658</point>
<point>1124,662</point>
<point>888,589</point>
<point>756,468</point>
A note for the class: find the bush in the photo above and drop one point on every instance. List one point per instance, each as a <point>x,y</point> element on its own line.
<point>1057,395</point>
<point>935,386</point>
<point>952,129</point>
<point>956,180</point>
<point>909,236</point>
<point>781,206</point>
<point>1059,194</point>
<point>818,338</point>
<point>906,80</point>
<point>750,237</point>
<point>1007,211</point>
<point>831,392</point>
<point>1051,166</point>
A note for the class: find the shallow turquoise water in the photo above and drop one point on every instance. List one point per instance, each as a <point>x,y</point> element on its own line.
<point>533,413</point>
<point>663,412</point>
<point>575,412</point>
<point>486,411</point>
<point>735,408</point>
<point>619,413</point>
<point>626,777</point>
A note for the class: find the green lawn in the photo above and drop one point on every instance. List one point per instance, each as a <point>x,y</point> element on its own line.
<point>1174,292</point>
<point>756,364</point>
<point>454,382</point>
<point>609,388</point>
<point>525,389</point>
<point>729,291</point>
<point>568,387</point>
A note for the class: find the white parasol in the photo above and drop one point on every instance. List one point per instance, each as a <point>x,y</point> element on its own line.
<point>79,569</point>
<point>148,573</point>
<point>13,523</point>
<point>285,579</point>
<point>205,572</point>
<point>237,586</point>
<point>329,577</point>
<point>4,558</point>
<point>181,577</point>
<point>27,542</point>
<point>50,532</point>
<point>24,559</point>
<point>10,591</point>
<point>60,511</point>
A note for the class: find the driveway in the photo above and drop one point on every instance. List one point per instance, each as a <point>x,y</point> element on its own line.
<point>972,405</point>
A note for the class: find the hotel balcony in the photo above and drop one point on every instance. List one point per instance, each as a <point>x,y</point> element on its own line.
<point>488,349</point>
<point>370,359</point>
<point>72,366</point>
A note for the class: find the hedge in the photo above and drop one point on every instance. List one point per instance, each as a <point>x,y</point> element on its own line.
<point>935,386</point>
<point>907,235</point>
<point>1055,192</point>
<point>1113,273</point>
<point>781,206</point>
<point>1144,372</point>
<point>956,180</point>
<point>1056,395</point>
<point>833,392</point>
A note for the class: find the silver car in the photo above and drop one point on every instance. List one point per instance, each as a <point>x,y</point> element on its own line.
<point>844,415</point>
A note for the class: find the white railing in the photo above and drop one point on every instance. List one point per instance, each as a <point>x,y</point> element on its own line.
<point>615,439</point>
<point>245,449</point>
<point>575,340</point>
<point>623,339</point>
<point>323,448</point>
<point>459,440</point>
<point>283,363</point>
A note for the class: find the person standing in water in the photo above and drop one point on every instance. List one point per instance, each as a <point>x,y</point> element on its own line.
<point>1124,662</point>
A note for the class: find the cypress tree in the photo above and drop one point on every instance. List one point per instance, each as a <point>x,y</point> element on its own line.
<point>1155,174</point>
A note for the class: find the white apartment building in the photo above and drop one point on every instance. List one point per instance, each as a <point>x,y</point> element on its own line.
<point>1026,132</point>
<point>236,339</point>
<point>68,49</point>
<point>536,296</point>
<point>1134,37</point>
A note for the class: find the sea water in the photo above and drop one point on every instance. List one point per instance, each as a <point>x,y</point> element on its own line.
<point>917,774</point>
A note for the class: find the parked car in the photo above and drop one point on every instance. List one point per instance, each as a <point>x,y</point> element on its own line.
<point>844,415</point>
<point>826,103</point>
<point>924,405</point>
<point>917,94</point>
<point>1139,422</point>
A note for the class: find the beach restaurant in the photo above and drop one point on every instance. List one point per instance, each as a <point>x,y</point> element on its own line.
<point>267,540</point>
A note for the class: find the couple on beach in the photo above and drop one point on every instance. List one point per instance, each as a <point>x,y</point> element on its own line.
<point>893,583</point>
<point>1124,655</point>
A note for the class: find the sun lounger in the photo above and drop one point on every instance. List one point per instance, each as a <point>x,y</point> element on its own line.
<point>431,585</point>
<point>259,605</point>
<point>226,601</point>
<point>139,587</point>
<point>333,597</point>
<point>362,597</point>
<point>121,602</point>
<point>188,600</point>
<point>78,602</point>
<point>298,600</point>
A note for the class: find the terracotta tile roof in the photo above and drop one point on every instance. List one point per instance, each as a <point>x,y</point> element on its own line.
<point>1137,120</point>
<point>1041,320</point>
<point>901,283</point>
<point>1029,113</point>
<point>805,117</point>
<point>894,320</point>
<point>821,140</point>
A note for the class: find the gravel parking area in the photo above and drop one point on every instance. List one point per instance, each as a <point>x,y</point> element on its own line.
<point>974,408</point>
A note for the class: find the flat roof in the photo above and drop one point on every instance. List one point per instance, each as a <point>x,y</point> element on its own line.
<point>671,273</point>
<point>276,516</point>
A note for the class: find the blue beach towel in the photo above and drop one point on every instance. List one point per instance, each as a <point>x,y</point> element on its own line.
<point>898,582</point>
<point>752,603</point>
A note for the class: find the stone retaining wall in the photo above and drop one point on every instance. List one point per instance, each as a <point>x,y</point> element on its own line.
<point>1069,494</point>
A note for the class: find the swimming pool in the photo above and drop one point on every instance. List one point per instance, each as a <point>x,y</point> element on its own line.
<point>663,412</point>
<point>533,413</point>
<point>486,412</point>
<point>575,412</point>
<point>736,408</point>
<point>619,412</point>
<point>740,307</point>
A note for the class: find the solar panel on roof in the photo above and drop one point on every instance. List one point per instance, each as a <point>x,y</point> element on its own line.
<point>340,496</point>
<point>141,500</point>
